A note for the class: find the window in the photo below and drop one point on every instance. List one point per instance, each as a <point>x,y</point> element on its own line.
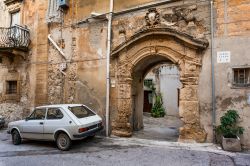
<point>15,18</point>
<point>54,113</point>
<point>81,111</point>
<point>148,82</point>
<point>38,114</point>
<point>53,12</point>
<point>241,77</point>
<point>11,87</point>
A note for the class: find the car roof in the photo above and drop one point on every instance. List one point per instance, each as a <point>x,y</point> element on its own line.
<point>59,105</point>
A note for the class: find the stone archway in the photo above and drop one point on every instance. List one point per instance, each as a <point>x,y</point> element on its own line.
<point>152,46</point>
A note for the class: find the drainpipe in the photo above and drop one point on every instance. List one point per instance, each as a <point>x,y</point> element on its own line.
<point>212,71</point>
<point>108,62</point>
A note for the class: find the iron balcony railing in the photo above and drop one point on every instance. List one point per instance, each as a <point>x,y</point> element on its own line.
<point>14,37</point>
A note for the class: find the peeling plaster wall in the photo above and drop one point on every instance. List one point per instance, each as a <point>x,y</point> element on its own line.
<point>232,34</point>
<point>27,69</point>
<point>14,107</point>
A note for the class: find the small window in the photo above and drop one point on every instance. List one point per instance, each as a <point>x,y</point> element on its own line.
<point>241,77</point>
<point>54,113</point>
<point>81,111</point>
<point>11,87</point>
<point>148,82</point>
<point>38,114</point>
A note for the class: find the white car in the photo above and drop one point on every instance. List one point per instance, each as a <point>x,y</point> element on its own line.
<point>61,123</point>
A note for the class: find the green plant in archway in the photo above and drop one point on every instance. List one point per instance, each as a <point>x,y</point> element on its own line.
<point>157,109</point>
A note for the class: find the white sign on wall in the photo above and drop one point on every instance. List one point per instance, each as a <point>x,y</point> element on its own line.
<point>223,56</point>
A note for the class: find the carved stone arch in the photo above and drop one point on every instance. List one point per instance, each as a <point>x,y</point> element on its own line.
<point>149,47</point>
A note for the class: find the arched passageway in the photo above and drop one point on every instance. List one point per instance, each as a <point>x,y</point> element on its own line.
<point>150,81</point>
<point>131,61</point>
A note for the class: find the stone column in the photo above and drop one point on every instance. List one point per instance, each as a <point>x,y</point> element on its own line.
<point>189,109</point>
<point>122,126</point>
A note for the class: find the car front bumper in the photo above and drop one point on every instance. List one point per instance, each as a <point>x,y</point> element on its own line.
<point>88,133</point>
<point>2,122</point>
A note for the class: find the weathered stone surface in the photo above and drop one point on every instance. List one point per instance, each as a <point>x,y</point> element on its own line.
<point>189,112</point>
<point>189,93</point>
<point>124,91</point>
<point>189,133</point>
<point>11,112</point>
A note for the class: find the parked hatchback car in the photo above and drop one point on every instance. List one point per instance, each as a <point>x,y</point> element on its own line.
<point>61,123</point>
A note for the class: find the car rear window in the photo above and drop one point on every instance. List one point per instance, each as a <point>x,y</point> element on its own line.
<point>81,111</point>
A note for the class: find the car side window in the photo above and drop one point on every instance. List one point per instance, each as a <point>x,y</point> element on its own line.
<point>38,114</point>
<point>54,113</point>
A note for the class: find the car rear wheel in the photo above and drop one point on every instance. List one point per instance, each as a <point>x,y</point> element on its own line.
<point>63,142</point>
<point>16,138</point>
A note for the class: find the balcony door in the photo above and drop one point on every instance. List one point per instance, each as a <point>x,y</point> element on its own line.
<point>15,32</point>
<point>15,18</point>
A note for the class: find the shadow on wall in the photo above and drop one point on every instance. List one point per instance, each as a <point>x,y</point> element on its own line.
<point>88,96</point>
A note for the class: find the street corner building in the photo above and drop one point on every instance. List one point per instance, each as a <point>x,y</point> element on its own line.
<point>98,52</point>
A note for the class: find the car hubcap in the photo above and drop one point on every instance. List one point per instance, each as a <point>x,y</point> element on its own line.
<point>63,141</point>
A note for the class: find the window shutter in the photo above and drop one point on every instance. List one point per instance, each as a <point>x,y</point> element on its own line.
<point>53,13</point>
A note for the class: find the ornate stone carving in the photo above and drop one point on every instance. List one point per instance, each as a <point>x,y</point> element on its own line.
<point>152,17</point>
<point>124,91</point>
<point>178,15</point>
<point>128,56</point>
<point>124,71</point>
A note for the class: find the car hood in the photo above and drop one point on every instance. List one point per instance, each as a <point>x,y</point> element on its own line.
<point>16,122</point>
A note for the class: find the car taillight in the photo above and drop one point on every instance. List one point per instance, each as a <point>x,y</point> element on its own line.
<point>82,130</point>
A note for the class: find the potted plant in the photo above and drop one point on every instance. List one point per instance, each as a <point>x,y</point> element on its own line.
<point>230,131</point>
<point>158,109</point>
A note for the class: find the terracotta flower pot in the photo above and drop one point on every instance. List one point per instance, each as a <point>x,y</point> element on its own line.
<point>231,144</point>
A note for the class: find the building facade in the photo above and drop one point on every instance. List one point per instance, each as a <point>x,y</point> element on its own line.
<point>65,58</point>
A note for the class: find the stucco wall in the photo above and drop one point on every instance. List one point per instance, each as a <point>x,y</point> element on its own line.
<point>4,15</point>
<point>169,84</point>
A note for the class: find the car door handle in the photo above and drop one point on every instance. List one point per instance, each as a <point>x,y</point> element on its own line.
<point>41,123</point>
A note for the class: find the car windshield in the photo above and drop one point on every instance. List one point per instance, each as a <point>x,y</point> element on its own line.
<point>81,111</point>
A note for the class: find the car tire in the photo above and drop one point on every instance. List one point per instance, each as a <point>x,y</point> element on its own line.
<point>63,142</point>
<point>16,138</point>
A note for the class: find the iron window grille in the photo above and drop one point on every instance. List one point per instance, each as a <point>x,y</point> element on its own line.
<point>241,77</point>
<point>11,87</point>
<point>148,82</point>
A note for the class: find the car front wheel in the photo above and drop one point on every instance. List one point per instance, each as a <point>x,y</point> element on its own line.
<point>63,142</point>
<point>16,138</point>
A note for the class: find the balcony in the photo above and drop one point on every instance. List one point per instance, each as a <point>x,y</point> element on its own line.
<point>15,38</point>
